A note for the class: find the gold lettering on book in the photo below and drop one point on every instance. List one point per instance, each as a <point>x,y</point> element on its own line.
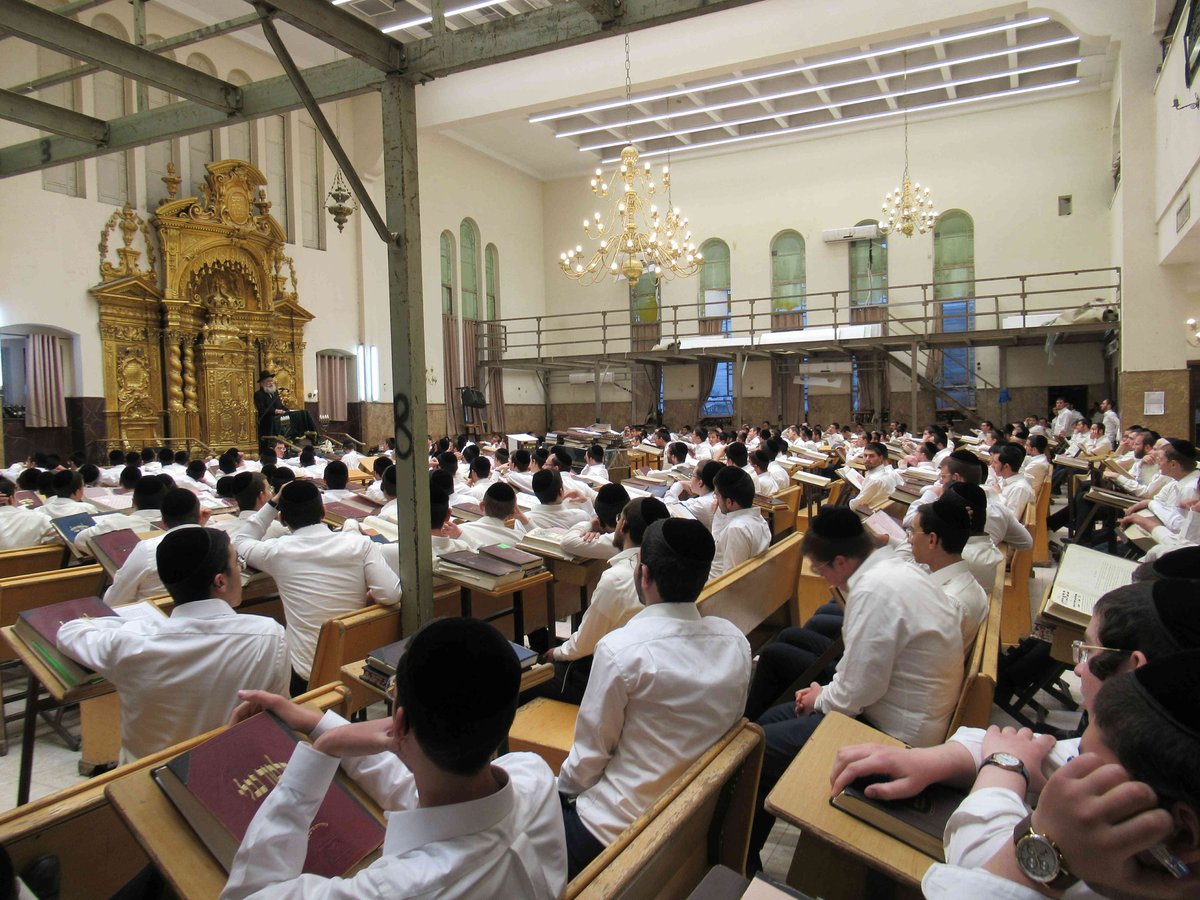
<point>261,780</point>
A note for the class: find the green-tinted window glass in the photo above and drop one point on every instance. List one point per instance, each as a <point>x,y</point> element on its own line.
<point>954,256</point>
<point>643,298</point>
<point>714,278</point>
<point>468,245</point>
<point>447,274</point>
<point>868,270</point>
<point>788,273</point>
<point>490,265</point>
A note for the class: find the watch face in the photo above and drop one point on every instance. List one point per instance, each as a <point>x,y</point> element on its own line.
<point>1037,858</point>
<point>1007,759</point>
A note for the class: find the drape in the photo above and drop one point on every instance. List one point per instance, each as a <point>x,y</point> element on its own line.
<point>46,405</point>
<point>331,386</point>
<point>708,367</point>
<point>450,379</point>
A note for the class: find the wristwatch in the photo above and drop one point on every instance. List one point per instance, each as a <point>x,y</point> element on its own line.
<point>1010,762</point>
<point>1039,858</point>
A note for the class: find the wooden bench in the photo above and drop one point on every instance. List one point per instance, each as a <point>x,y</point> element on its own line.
<point>97,852</point>
<point>31,560</point>
<point>350,637</point>
<point>974,707</point>
<point>545,727</point>
<point>1038,528</point>
<point>31,591</point>
<point>782,519</point>
<point>1017,617</point>
<point>702,820</point>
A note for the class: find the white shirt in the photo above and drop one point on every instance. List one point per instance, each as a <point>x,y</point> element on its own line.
<point>744,535</point>
<point>21,527</point>
<point>138,578</point>
<point>57,507</point>
<point>1036,469</point>
<point>137,519</point>
<point>1144,480</point>
<point>521,481</point>
<point>599,548</point>
<point>983,557</point>
<point>557,515</point>
<point>878,485</point>
<point>488,530</point>
<point>479,488</point>
<point>1065,420</point>
<point>662,690</point>
<point>702,508</point>
<point>509,844</point>
<point>1187,536</point>
<point>779,475</point>
<point>1001,525</point>
<point>902,665</point>
<point>1165,505</point>
<point>1014,491</point>
<point>1112,426</point>
<point>613,603</point>
<point>1095,445</point>
<point>231,525</point>
<point>179,676</point>
<point>595,470</point>
<point>374,492</point>
<point>958,583</point>
<point>319,573</point>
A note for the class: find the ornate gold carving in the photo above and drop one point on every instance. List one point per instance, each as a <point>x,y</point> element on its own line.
<point>189,374</point>
<point>174,373</point>
<point>133,384</point>
<point>130,224</point>
<point>172,181</point>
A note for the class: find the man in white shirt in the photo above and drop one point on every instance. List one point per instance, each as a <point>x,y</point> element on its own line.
<point>595,467</point>
<point>937,539</point>
<point>552,511</point>
<point>963,466</point>
<point>1007,483</point>
<point>320,574</point>
<point>902,665</point>
<point>1036,466</point>
<point>594,540</point>
<point>21,527</point>
<point>764,483</point>
<point>460,824</point>
<point>480,478</point>
<point>881,479</point>
<point>980,552</point>
<point>1065,417</point>
<point>251,492</point>
<point>178,676</point>
<point>744,533</point>
<point>499,504</point>
<point>137,578</point>
<point>350,456</point>
<point>701,504</point>
<point>614,602</point>
<point>337,477</point>
<point>1176,460</point>
<point>68,497</point>
<point>1111,422</point>
<point>147,502</point>
<point>520,475</point>
<point>663,688</point>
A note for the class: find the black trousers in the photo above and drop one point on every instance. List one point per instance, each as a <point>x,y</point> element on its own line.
<point>569,683</point>
<point>582,845</point>
<point>786,658</point>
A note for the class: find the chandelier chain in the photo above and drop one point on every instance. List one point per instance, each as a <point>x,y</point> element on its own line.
<point>628,94</point>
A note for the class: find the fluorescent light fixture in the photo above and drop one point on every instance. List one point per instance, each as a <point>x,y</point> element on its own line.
<point>367,362</point>
<point>815,88</point>
<point>791,70</point>
<point>741,138</point>
<point>340,2</point>
<point>783,113</point>
<point>459,11</point>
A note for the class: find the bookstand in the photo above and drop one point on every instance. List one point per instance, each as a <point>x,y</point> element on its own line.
<point>360,688</point>
<point>513,595</point>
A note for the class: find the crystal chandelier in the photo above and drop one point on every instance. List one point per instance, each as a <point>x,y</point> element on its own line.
<point>341,203</point>
<point>907,208</point>
<point>637,236</point>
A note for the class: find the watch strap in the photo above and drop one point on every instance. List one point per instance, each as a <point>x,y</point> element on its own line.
<point>1024,829</point>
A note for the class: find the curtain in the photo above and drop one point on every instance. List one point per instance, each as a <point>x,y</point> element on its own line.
<point>708,367</point>
<point>331,386</point>
<point>450,374</point>
<point>495,386</point>
<point>46,406</point>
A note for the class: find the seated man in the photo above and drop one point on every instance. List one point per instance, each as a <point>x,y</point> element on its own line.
<point>595,467</point>
<point>138,578</point>
<point>663,688</point>
<point>519,474</point>
<point>963,466</point>
<point>937,539</point>
<point>740,529</point>
<point>67,499</point>
<point>696,495</point>
<point>764,484</point>
<point>480,478</point>
<point>21,527</point>
<point>460,824</point>
<point>319,573</point>
<point>594,540</point>
<point>551,511</point>
<point>251,492</point>
<point>147,502</point>
<point>337,477</point>
<point>881,479</point>
<point>613,603</point>
<point>178,676</point>
<point>499,504</point>
<point>1006,481</point>
<point>1036,466</point>
<point>902,665</point>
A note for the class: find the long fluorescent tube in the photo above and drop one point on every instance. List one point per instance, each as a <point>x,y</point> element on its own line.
<point>741,138</point>
<point>791,70</point>
<point>425,20</point>
<point>816,88</point>
<point>782,113</point>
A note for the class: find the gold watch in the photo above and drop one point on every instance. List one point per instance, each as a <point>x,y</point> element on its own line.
<point>1039,858</point>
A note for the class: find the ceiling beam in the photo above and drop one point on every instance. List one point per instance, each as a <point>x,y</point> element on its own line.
<point>328,82</point>
<point>339,28</point>
<point>543,30</point>
<point>171,43</point>
<point>603,11</point>
<point>69,10</point>
<point>48,117</point>
<point>49,29</point>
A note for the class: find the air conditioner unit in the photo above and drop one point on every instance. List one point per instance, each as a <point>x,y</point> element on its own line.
<point>857,233</point>
<point>824,368</point>
<point>589,378</point>
<point>817,381</point>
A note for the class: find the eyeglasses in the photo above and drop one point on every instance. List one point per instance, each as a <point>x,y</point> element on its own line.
<point>1081,652</point>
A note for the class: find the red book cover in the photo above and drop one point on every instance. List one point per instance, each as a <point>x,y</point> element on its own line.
<point>116,546</point>
<point>27,499</point>
<point>348,509</point>
<point>511,554</point>
<point>480,562</point>
<point>46,620</point>
<point>219,785</point>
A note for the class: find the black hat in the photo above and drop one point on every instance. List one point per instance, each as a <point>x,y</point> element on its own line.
<point>1181,563</point>
<point>298,499</point>
<point>1176,607</point>
<point>264,375</point>
<point>1171,686</point>
<point>183,551</point>
<point>836,523</point>
<point>687,539</point>
<point>500,493</point>
<point>241,481</point>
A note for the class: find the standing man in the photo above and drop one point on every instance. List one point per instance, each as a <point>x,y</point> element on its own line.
<point>268,403</point>
<point>1111,422</point>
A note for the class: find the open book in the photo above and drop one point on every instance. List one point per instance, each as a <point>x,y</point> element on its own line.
<point>1084,576</point>
<point>853,476</point>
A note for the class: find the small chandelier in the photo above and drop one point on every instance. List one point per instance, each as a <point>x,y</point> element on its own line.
<point>340,202</point>
<point>637,237</point>
<point>907,208</point>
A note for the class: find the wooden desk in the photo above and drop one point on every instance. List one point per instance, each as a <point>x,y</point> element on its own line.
<point>471,595</point>
<point>835,848</point>
<point>583,573</point>
<point>536,674</point>
<point>42,676</point>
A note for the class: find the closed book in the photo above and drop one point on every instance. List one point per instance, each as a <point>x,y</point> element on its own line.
<point>467,511</point>
<point>1105,497</point>
<point>219,785</point>
<point>476,578</point>
<point>112,548</point>
<point>1072,462</point>
<point>378,679</point>
<point>27,499</point>
<point>481,562</point>
<point>546,542</point>
<point>765,501</point>
<point>384,660</point>
<point>918,821</point>
<point>339,511</point>
<point>69,526</point>
<point>509,553</point>
<point>38,628</point>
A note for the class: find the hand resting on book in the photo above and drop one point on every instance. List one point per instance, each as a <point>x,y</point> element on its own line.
<point>908,770</point>
<point>293,715</point>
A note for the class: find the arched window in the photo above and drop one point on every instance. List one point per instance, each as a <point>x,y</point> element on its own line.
<point>495,337</point>
<point>715,378</point>
<point>109,91</point>
<point>491,271</point>
<point>788,273</point>
<point>312,160</point>
<point>644,300</point>
<point>468,243</point>
<point>450,378</point>
<point>160,154</point>
<point>954,292</point>
<point>239,138</point>
<point>275,168</point>
<point>868,299</point>
<point>67,178</point>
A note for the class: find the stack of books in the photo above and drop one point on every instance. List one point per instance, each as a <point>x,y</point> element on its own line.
<point>38,628</point>
<point>380,668</point>
<point>546,542</point>
<point>490,568</point>
<point>338,511</point>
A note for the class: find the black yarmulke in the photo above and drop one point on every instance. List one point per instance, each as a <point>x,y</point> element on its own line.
<point>1181,563</point>
<point>687,539</point>
<point>1171,685</point>
<point>182,552</point>
<point>836,523</point>
<point>241,481</point>
<point>1177,604</point>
